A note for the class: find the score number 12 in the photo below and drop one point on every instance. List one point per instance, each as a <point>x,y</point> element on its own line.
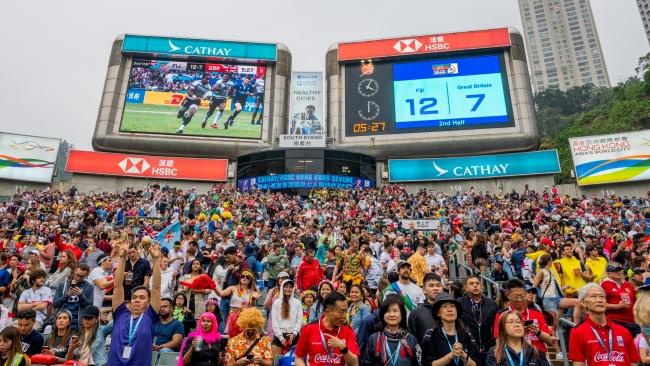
<point>427,104</point>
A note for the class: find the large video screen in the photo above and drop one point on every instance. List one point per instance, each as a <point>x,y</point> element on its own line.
<point>194,98</point>
<point>442,94</point>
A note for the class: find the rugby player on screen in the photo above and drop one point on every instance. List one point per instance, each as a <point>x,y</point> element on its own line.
<point>259,100</point>
<point>221,91</point>
<point>197,91</point>
<point>242,92</point>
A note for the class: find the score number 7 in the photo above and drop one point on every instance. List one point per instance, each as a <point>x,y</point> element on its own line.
<point>479,99</point>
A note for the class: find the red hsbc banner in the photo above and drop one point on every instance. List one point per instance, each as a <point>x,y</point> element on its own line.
<point>163,167</point>
<point>435,43</point>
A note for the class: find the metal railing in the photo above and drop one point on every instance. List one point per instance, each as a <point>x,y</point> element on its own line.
<point>562,323</point>
<point>491,285</point>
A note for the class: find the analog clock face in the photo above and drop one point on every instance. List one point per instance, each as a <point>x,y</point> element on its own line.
<point>368,87</point>
<point>370,112</point>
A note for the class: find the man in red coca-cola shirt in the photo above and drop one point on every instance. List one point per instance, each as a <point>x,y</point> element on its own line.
<point>328,342</point>
<point>598,341</point>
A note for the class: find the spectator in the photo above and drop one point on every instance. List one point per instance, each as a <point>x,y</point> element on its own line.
<point>620,296</point>
<point>30,339</point>
<point>511,348</point>
<point>341,345</point>
<point>138,271</point>
<point>66,266</point>
<point>388,342</point>
<point>59,341</point>
<point>411,294</point>
<point>573,273</point>
<point>202,347</point>
<point>597,340</point>
<point>74,295</point>
<point>90,346</point>
<point>435,261</point>
<point>37,298</point>
<point>421,318</point>
<point>552,296</point>
<point>537,331</point>
<point>478,315</point>
<point>169,331</point>
<point>102,279</point>
<point>47,254</point>
<point>325,288</point>
<point>244,295</point>
<point>499,274</point>
<point>196,297</point>
<point>10,348</point>
<point>276,262</point>
<point>251,345</point>
<point>358,309</point>
<point>5,276</point>
<point>596,263</point>
<point>134,327</point>
<point>309,273</point>
<point>419,266</point>
<point>233,275</point>
<point>448,343</point>
<point>286,315</point>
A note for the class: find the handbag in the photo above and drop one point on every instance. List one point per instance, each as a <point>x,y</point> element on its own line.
<point>250,348</point>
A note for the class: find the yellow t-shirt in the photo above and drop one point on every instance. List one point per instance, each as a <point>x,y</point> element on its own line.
<point>569,277</point>
<point>418,267</point>
<point>597,268</point>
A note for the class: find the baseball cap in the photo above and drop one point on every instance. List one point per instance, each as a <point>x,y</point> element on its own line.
<point>90,312</point>
<point>638,271</point>
<point>35,251</point>
<point>283,274</point>
<point>614,267</point>
<point>402,263</point>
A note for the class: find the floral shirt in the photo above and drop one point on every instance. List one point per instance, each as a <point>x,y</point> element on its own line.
<point>350,263</point>
<point>238,345</point>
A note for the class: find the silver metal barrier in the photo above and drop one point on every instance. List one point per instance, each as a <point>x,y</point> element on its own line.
<point>489,283</point>
<point>560,334</point>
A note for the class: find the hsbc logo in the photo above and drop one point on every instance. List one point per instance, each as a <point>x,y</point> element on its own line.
<point>134,165</point>
<point>407,45</point>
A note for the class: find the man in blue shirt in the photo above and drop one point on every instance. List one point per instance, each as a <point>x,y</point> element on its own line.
<point>134,323</point>
<point>5,275</point>
<point>169,332</point>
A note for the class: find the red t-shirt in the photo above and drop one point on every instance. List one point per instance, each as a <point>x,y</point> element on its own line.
<point>311,348</point>
<point>615,294</point>
<point>584,345</point>
<point>538,319</point>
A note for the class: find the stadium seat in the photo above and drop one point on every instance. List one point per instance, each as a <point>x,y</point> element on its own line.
<point>168,359</point>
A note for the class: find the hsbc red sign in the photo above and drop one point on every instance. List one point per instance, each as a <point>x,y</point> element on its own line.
<point>491,38</point>
<point>164,167</point>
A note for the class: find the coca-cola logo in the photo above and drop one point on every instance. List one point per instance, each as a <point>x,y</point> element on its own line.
<point>613,356</point>
<point>328,359</point>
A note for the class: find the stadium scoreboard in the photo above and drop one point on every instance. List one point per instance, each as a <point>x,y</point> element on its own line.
<point>192,97</point>
<point>456,93</point>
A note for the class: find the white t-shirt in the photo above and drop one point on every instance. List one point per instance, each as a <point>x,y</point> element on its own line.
<point>30,296</point>
<point>413,291</point>
<point>98,293</point>
<point>434,260</point>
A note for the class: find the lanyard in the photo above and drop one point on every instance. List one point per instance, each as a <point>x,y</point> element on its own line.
<point>521,357</point>
<point>392,357</point>
<point>451,348</point>
<point>602,344</point>
<point>133,331</point>
<point>327,349</point>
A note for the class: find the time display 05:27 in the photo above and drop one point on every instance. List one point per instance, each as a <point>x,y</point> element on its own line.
<point>433,95</point>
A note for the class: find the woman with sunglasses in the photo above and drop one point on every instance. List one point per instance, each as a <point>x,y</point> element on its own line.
<point>511,348</point>
<point>244,295</point>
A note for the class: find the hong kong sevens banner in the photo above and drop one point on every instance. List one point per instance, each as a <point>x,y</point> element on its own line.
<point>621,157</point>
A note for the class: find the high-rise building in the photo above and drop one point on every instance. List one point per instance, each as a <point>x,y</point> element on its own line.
<point>562,44</point>
<point>644,9</point>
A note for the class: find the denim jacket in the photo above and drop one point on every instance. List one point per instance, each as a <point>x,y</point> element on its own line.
<point>98,348</point>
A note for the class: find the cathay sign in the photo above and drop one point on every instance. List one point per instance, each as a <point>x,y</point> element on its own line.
<point>474,167</point>
<point>198,47</point>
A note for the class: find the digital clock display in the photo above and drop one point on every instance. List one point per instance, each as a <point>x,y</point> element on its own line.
<point>427,95</point>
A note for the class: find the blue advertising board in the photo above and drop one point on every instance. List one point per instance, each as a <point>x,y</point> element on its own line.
<point>303,181</point>
<point>198,47</point>
<point>474,167</point>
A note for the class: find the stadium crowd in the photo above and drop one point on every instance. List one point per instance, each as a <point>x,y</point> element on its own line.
<point>336,277</point>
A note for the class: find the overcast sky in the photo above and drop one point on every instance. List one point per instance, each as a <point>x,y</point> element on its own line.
<point>54,53</point>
